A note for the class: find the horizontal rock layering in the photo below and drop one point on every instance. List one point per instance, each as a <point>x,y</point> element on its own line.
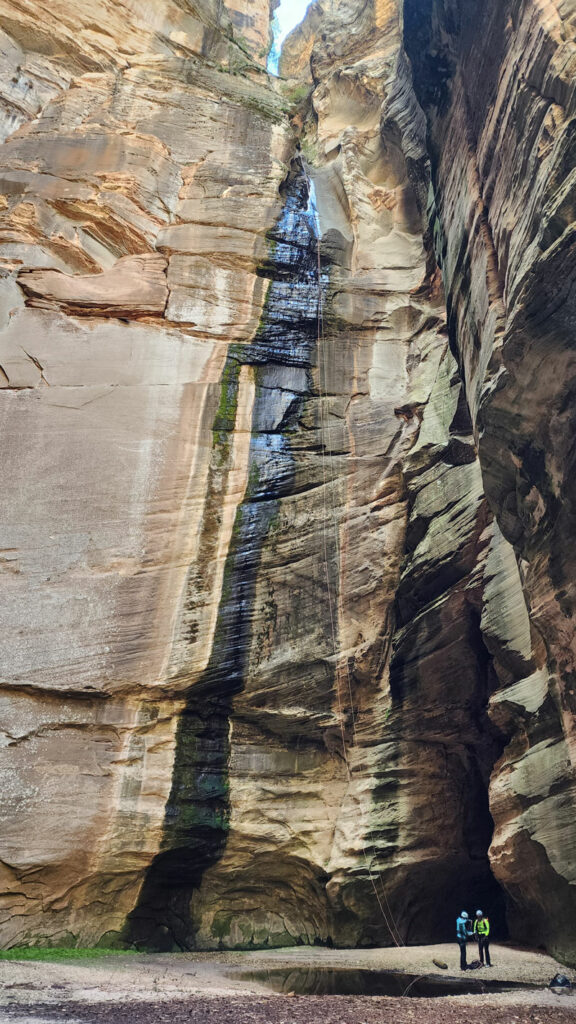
<point>288,590</point>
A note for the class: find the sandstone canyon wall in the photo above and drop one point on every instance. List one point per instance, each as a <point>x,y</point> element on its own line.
<point>501,129</point>
<point>288,581</point>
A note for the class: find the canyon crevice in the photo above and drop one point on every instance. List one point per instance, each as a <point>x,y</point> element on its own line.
<point>287,389</point>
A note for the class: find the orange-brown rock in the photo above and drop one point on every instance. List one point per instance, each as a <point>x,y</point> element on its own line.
<point>107,408</point>
<point>134,286</point>
<point>297,47</point>
<point>287,619</point>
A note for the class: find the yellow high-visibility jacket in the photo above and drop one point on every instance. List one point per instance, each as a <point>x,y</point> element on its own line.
<point>482,926</point>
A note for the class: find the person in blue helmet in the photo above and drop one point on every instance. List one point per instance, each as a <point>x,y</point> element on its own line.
<point>462,938</point>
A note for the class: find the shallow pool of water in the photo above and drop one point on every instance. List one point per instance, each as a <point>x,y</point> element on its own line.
<point>327,981</point>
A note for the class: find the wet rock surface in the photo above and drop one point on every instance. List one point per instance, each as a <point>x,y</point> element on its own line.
<point>287,561</point>
<point>198,812</point>
<point>110,173</point>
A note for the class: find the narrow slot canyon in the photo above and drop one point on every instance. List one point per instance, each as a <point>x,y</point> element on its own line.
<point>287,387</point>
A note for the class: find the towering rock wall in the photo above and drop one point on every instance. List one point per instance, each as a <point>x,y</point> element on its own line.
<point>140,172</point>
<point>270,671</point>
<point>497,84</point>
<point>418,677</point>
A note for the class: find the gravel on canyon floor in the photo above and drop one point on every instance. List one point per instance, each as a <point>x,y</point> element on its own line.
<point>220,988</point>
<point>296,1010</point>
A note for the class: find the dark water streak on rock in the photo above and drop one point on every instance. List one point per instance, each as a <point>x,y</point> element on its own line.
<point>282,354</point>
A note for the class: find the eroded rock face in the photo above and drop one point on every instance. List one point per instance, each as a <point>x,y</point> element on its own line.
<point>134,286</point>
<point>279,645</point>
<point>112,382</point>
<point>496,82</point>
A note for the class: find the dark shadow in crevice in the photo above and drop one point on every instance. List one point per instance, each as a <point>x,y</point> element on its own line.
<point>196,822</point>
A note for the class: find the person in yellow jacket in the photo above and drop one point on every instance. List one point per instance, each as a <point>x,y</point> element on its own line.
<point>482,933</point>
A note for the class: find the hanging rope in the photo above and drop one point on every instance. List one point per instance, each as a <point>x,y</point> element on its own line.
<point>327,488</point>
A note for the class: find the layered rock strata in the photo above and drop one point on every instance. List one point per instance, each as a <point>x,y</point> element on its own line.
<point>282,639</point>
<point>350,803</point>
<point>139,177</point>
<point>419,679</point>
<point>497,85</point>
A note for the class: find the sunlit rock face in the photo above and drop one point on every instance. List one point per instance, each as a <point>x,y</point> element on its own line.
<point>140,173</point>
<point>279,645</point>
<point>497,84</point>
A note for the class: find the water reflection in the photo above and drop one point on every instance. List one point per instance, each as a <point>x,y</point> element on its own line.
<point>327,981</point>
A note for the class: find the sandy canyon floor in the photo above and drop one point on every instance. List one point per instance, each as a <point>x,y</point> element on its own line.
<point>201,988</point>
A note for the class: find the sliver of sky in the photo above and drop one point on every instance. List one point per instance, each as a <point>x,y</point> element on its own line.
<point>286,17</point>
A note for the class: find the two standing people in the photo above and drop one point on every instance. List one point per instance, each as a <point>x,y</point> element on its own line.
<point>481,931</point>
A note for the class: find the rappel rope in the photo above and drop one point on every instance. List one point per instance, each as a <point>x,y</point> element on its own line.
<point>327,449</point>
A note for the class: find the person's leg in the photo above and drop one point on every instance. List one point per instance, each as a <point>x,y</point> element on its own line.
<point>481,948</point>
<point>487,950</point>
<point>462,956</point>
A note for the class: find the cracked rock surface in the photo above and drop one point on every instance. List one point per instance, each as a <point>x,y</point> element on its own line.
<point>287,603</point>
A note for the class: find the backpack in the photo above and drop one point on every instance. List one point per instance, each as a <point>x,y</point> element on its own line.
<point>560,981</point>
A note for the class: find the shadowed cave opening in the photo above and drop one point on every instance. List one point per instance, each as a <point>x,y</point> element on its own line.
<point>195,827</point>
